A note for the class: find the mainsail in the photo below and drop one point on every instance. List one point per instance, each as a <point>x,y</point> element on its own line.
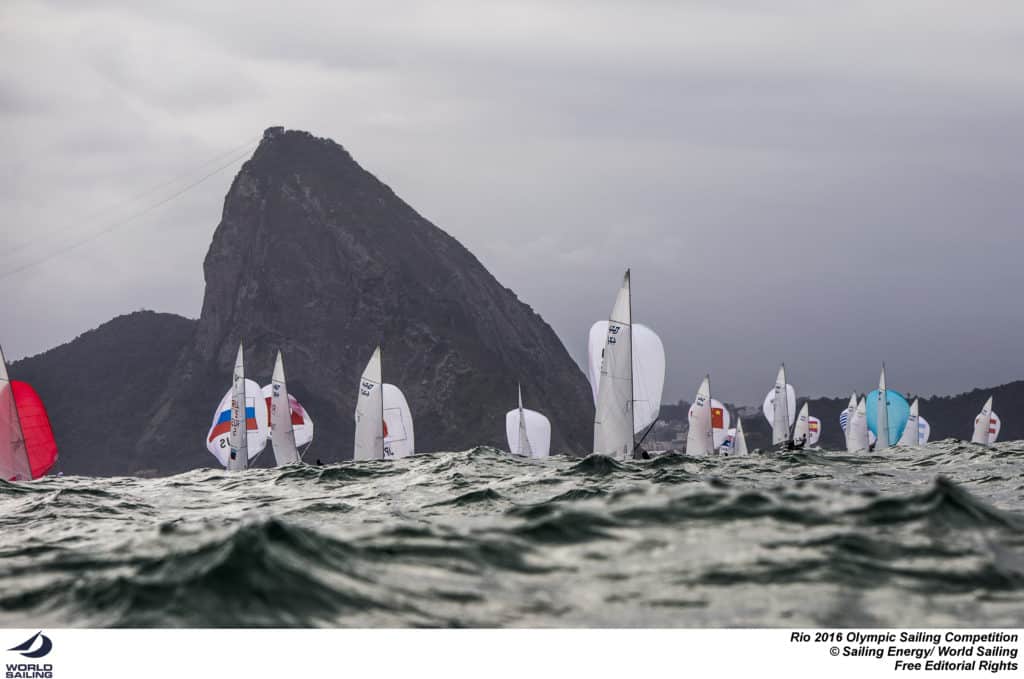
<point>700,438</point>
<point>528,432</point>
<point>27,447</point>
<point>369,439</point>
<point>284,417</point>
<point>398,432</point>
<point>800,431</point>
<point>238,436</point>
<point>739,440</point>
<point>911,432</point>
<point>648,370</point>
<point>613,416</point>
<point>781,418</point>
<point>882,417</point>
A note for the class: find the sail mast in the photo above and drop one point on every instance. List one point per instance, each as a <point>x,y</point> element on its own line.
<point>239,440</point>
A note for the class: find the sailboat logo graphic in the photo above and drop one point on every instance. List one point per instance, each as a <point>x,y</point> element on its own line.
<point>44,648</point>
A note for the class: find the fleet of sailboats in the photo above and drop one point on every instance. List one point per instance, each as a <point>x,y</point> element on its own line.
<point>627,375</point>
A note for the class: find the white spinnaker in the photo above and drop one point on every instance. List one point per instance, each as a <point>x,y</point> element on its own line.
<point>398,433</point>
<point>782,418</point>
<point>858,428</point>
<point>700,437</point>
<point>924,430</point>
<point>911,434</point>
<point>218,439</point>
<point>369,439</point>
<point>800,429</point>
<point>648,370</point>
<point>528,432</point>
<point>882,419</point>
<point>613,416</point>
<point>813,430</point>
<point>845,417</point>
<point>14,464</point>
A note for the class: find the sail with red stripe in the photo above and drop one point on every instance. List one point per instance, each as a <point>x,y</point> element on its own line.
<point>27,447</point>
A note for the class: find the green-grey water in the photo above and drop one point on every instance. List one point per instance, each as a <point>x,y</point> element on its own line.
<point>929,537</point>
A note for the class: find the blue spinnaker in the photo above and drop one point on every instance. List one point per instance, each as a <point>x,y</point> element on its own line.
<point>898,411</point>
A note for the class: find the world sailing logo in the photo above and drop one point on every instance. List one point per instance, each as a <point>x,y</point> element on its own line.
<point>44,647</point>
<point>31,649</point>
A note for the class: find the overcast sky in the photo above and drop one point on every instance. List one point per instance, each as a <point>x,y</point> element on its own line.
<point>829,184</point>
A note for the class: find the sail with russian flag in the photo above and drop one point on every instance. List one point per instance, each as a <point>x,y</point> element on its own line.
<point>243,402</point>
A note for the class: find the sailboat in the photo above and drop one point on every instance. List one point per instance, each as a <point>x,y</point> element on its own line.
<point>528,432</point>
<point>291,427</point>
<point>700,437</point>
<point>911,432</point>
<point>240,430</point>
<point>613,416</point>
<point>736,443</point>
<point>27,447</point>
<point>882,429</point>
<point>857,434</point>
<point>384,428</point>
<point>780,412</point>
<point>887,413</point>
<point>986,425</point>
<point>801,430</point>
<point>648,370</point>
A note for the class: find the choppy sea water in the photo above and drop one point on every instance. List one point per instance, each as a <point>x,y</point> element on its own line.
<point>929,537</point>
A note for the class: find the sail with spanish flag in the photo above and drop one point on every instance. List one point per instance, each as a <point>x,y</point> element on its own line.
<point>27,447</point>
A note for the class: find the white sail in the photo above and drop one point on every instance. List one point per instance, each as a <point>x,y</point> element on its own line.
<point>257,427</point>
<point>911,433</point>
<point>739,440</point>
<point>282,433</point>
<point>528,432</point>
<point>14,464</point>
<point>857,429</point>
<point>986,425</point>
<point>845,417</point>
<point>800,430</point>
<point>781,418</point>
<point>882,418</point>
<point>648,370</point>
<point>924,430</point>
<point>813,430</point>
<point>369,439</point>
<point>700,438</point>
<point>613,416</point>
<point>398,433</point>
<point>721,421</point>
<point>238,440</point>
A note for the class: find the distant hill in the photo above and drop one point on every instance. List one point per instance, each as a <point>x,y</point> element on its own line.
<point>101,388</point>
<point>316,257</point>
